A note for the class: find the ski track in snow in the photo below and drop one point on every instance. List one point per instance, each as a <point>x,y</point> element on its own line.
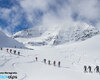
<point>14,66</point>
<point>5,62</point>
<point>8,61</point>
<point>16,63</point>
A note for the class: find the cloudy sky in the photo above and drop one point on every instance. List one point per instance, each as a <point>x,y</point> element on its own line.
<point>16,15</point>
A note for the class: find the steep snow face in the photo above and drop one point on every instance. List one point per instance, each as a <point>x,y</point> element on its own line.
<point>77,32</point>
<point>56,35</point>
<point>6,41</point>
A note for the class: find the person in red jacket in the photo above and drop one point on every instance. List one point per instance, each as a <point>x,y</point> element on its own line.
<point>7,49</point>
<point>85,68</point>
<point>36,58</point>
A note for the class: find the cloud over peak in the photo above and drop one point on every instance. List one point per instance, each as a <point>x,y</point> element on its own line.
<point>30,13</point>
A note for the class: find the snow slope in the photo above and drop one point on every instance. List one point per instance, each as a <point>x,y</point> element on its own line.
<point>6,41</point>
<point>73,57</point>
<point>56,35</point>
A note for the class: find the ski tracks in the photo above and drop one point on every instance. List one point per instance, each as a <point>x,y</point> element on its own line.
<point>14,65</point>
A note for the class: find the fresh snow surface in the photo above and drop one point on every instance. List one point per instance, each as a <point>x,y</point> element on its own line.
<point>73,57</point>
<point>6,41</point>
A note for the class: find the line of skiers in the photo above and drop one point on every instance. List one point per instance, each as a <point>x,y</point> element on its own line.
<point>49,62</point>
<point>89,68</point>
<point>54,62</point>
<point>10,50</point>
<point>14,51</point>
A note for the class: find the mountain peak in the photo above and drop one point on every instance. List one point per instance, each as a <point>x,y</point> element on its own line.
<point>55,35</point>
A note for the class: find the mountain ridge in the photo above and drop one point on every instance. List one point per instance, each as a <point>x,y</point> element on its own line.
<point>56,35</point>
<point>6,41</point>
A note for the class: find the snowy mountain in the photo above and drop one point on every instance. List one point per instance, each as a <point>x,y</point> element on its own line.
<point>56,35</point>
<point>6,41</point>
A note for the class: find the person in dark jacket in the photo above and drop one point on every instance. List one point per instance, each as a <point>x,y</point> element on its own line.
<point>15,46</point>
<point>18,53</point>
<point>14,51</point>
<point>59,64</point>
<point>89,67</point>
<point>97,69</point>
<point>1,48</point>
<point>44,60</point>
<point>49,62</point>
<point>10,50</point>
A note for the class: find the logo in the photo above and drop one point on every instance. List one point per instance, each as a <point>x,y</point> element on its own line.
<point>8,75</point>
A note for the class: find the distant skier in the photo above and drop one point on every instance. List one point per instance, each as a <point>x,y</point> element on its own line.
<point>18,53</point>
<point>85,68</point>
<point>10,50</point>
<point>7,49</point>
<point>15,46</point>
<point>36,58</point>
<point>14,51</point>
<point>59,64</point>
<point>1,48</point>
<point>97,69</point>
<point>49,62</point>
<point>54,63</point>
<point>44,60</point>
<point>89,67</point>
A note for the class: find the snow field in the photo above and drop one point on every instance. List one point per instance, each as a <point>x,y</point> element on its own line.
<point>29,69</point>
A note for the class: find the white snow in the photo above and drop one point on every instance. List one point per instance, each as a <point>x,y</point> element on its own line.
<point>73,57</point>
